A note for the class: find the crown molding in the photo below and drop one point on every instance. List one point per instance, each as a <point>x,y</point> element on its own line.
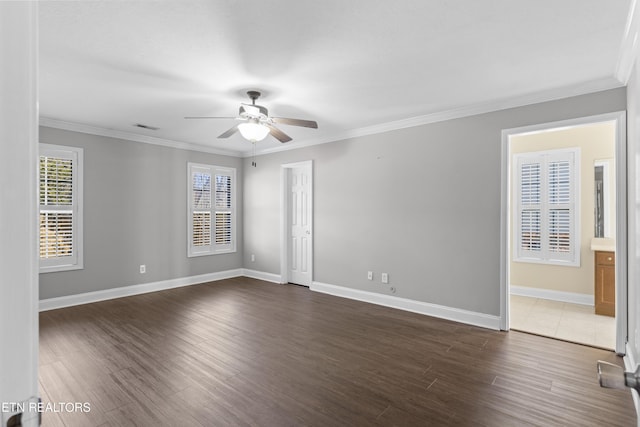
<point>594,86</point>
<point>629,45</point>
<point>130,136</point>
<point>456,113</point>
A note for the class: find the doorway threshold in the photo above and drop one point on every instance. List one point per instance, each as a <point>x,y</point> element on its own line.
<point>563,340</point>
<point>564,321</point>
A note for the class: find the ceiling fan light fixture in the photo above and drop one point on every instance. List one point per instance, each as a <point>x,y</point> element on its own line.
<point>257,124</point>
<point>253,131</point>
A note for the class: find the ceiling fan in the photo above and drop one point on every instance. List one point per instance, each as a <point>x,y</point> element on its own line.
<point>256,123</point>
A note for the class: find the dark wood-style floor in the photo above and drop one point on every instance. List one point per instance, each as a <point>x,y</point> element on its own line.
<point>246,352</point>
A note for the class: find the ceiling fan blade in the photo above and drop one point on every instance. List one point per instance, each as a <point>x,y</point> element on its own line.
<point>208,117</point>
<point>230,132</point>
<point>296,122</point>
<point>278,134</point>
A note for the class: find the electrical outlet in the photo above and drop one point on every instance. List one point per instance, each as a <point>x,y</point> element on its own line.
<point>370,275</point>
<point>384,277</point>
<point>253,257</point>
<point>143,268</point>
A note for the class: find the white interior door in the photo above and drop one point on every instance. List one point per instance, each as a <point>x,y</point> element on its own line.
<point>299,225</point>
<point>19,213</point>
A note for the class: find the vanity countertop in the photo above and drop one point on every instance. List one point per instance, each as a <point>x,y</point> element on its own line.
<point>604,244</point>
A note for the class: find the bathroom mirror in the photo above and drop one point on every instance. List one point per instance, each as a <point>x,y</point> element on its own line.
<point>602,198</point>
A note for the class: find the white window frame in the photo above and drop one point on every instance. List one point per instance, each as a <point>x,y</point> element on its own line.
<point>212,248</point>
<point>76,260</point>
<point>545,255</point>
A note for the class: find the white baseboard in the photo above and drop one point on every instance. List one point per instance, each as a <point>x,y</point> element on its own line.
<point>125,291</point>
<point>455,314</point>
<point>434,310</point>
<point>630,363</point>
<point>572,297</point>
<point>261,275</point>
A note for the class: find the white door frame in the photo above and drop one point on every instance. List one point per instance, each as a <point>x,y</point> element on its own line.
<point>621,215</point>
<point>284,218</point>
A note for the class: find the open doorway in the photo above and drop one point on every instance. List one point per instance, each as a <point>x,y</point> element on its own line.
<point>563,210</point>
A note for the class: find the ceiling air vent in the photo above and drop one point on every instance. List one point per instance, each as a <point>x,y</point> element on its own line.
<point>139,125</point>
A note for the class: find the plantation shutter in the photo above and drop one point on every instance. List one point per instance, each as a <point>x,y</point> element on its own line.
<point>200,210</point>
<point>530,215</point>
<point>546,215</point>
<point>201,204</point>
<point>223,210</point>
<point>211,210</point>
<point>560,206</point>
<point>59,208</point>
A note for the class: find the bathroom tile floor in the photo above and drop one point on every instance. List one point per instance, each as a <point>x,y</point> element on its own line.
<point>570,322</point>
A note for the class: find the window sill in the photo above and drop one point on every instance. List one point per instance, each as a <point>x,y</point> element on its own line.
<point>220,252</point>
<point>60,268</point>
<point>558,263</point>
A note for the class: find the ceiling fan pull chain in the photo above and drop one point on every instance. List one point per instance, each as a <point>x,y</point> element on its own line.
<point>253,163</point>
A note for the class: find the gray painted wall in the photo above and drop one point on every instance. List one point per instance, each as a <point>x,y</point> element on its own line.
<point>422,204</point>
<point>135,213</point>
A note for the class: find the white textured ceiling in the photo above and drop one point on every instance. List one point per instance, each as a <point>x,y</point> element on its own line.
<point>346,64</point>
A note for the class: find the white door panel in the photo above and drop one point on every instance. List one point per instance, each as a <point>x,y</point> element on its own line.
<point>300,225</point>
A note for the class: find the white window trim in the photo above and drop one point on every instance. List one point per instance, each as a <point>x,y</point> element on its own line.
<point>545,256</point>
<point>213,248</point>
<point>76,262</point>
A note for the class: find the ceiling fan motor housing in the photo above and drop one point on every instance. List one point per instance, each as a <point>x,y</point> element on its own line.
<point>253,112</point>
